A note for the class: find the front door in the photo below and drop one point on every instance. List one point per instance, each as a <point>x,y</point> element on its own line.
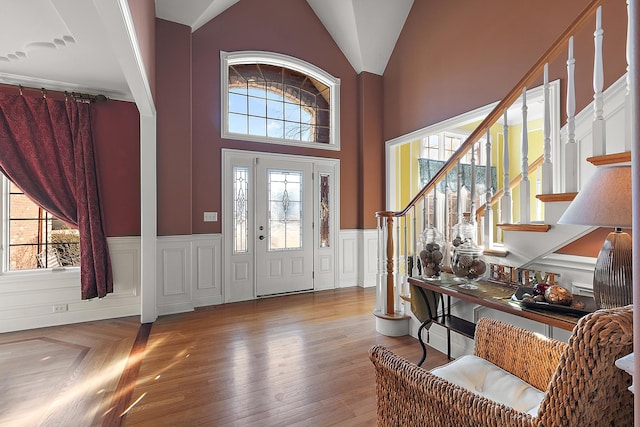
<point>283,226</point>
<point>270,205</point>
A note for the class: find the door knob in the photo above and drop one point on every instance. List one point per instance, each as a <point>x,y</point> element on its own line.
<point>261,237</point>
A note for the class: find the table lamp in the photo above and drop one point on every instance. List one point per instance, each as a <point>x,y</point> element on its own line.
<point>605,201</point>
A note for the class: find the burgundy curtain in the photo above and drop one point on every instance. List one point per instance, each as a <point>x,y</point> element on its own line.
<point>46,149</point>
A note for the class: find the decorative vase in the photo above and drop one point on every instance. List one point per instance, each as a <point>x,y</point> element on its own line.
<point>431,253</point>
<point>468,264</point>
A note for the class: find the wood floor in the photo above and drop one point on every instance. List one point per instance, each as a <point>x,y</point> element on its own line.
<point>297,360</point>
<point>64,375</point>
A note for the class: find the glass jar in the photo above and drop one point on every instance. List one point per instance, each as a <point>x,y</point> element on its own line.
<point>463,232</point>
<point>468,264</point>
<point>431,253</point>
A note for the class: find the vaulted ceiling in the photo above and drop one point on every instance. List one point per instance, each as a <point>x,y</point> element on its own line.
<point>64,44</point>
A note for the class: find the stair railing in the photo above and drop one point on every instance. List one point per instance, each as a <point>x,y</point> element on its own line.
<point>393,268</point>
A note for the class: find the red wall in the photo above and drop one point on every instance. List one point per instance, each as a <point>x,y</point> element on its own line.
<point>261,25</point>
<point>174,151</point>
<point>117,150</point>
<point>455,56</point>
<point>372,179</point>
<point>143,13</point>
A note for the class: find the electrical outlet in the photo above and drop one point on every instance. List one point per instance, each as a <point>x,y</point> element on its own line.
<point>60,308</point>
<point>210,216</point>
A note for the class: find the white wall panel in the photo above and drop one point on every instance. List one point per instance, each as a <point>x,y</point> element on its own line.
<point>27,298</point>
<point>207,271</point>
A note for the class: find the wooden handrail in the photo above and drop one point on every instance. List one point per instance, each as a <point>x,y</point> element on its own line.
<point>533,166</point>
<point>508,100</point>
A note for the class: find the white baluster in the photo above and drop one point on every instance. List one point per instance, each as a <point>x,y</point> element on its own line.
<point>416,255</point>
<point>458,191</point>
<point>436,208</point>
<point>627,98</point>
<point>598,126</point>
<point>446,234</point>
<point>506,203</point>
<point>398,268</point>
<point>425,216</point>
<point>525,186</point>
<point>570,149</point>
<point>403,271</point>
<point>547,166</point>
<point>406,245</point>
<point>488,212</point>
<point>473,183</point>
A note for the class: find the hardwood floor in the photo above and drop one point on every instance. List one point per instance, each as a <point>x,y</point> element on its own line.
<point>297,360</point>
<point>64,375</point>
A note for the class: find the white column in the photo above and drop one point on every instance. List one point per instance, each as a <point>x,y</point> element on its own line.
<point>506,202</point>
<point>598,126</point>
<point>570,149</point>
<point>525,190</point>
<point>488,212</point>
<point>547,166</point>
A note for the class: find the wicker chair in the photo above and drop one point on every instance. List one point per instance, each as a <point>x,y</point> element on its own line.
<point>583,386</point>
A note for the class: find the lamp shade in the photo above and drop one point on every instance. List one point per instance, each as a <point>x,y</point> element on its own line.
<point>604,201</point>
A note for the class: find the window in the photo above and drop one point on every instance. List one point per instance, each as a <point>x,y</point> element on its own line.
<point>34,237</point>
<point>273,98</point>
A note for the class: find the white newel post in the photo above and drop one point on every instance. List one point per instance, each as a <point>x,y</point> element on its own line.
<point>570,149</point>
<point>525,186</point>
<point>488,212</point>
<point>506,202</point>
<point>547,166</point>
<point>598,126</point>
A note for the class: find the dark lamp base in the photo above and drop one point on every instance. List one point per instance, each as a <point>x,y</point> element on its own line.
<point>612,284</point>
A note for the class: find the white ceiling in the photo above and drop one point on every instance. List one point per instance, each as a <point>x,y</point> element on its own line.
<point>64,44</point>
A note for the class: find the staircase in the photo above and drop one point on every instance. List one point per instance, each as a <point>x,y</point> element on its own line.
<point>518,242</point>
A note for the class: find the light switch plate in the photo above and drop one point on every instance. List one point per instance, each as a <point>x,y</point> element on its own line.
<point>211,217</point>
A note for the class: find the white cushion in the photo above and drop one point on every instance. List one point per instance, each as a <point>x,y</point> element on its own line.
<point>486,379</point>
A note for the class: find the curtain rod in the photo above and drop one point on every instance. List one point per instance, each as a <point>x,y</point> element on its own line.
<point>76,96</point>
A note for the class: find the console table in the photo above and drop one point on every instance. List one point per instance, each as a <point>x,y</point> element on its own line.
<point>489,294</point>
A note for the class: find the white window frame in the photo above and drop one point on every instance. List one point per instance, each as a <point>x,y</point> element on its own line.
<point>4,242</point>
<point>279,60</point>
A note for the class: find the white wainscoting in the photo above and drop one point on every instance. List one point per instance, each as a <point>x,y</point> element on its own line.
<point>358,257</point>
<point>27,298</point>
<point>189,272</point>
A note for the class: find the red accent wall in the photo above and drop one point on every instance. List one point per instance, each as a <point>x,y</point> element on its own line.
<point>258,25</point>
<point>174,149</point>
<point>116,136</point>
<point>371,149</point>
<point>143,13</point>
<point>455,56</point>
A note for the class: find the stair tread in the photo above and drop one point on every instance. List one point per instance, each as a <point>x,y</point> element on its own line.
<point>496,252</point>
<point>556,197</point>
<point>609,159</point>
<point>536,228</point>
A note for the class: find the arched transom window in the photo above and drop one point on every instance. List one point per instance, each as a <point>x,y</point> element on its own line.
<point>275,98</point>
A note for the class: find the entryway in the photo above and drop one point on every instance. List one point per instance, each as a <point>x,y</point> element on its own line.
<point>279,223</point>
